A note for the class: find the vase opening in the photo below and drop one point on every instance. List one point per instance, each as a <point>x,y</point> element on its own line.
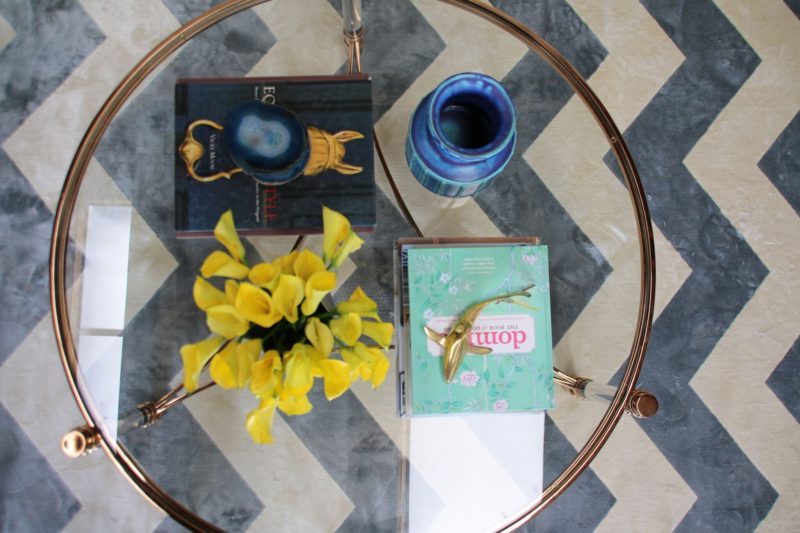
<point>468,122</point>
<point>472,114</point>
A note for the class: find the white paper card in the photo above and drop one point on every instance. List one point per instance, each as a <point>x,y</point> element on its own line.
<point>471,473</point>
<point>105,274</point>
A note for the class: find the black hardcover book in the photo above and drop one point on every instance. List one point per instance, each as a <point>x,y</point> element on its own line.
<point>329,104</point>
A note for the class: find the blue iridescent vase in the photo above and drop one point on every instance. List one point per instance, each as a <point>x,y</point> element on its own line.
<point>461,135</point>
<point>268,142</point>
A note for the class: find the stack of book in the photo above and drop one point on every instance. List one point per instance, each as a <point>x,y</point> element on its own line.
<point>330,103</point>
<point>437,281</point>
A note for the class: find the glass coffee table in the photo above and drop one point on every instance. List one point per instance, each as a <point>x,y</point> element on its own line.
<point>121,282</point>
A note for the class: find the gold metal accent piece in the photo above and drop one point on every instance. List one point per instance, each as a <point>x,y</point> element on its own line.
<point>192,151</point>
<point>80,441</point>
<point>149,412</point>
<point>83,156</point>
<point>355,45</point>
<point>328,151</point>
<point>456,343</point>
<point>642,404</point>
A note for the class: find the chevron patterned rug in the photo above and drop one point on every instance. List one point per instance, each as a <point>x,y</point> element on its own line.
<point>708,96</point>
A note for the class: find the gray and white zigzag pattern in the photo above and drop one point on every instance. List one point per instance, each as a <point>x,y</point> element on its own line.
<point>725,347</point>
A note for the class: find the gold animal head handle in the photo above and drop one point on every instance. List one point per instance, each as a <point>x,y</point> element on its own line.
<point>192,151</point>
<point>456,343</point>
<point>327,152</point>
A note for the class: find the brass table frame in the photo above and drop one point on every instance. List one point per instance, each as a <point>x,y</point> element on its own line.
<point>626,396</point>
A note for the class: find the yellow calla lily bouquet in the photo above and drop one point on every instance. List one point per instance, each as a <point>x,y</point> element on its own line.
<point>270,333</point>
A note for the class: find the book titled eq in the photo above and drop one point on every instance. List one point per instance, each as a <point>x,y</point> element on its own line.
<point>504,334</point>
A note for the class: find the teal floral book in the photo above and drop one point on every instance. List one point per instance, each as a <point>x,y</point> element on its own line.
<point>439,284</point>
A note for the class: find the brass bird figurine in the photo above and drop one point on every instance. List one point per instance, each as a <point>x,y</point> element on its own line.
<point>456,343</point>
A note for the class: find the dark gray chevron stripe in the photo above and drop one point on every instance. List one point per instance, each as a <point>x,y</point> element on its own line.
<point>785,380</point>
<point>358,455</point>
<point>24,268</point>
<point>53,37</point>
<point>399,46</point>
<point>577,268</point>
<point>32,496</point>
<point>781,163</point>
<point>375,259</point>
<point>732,495</point>
<point>794,5</point>
<point>65,35</point>
<point>587,501</point>
<point>183,460</point>
<point>137,152</point>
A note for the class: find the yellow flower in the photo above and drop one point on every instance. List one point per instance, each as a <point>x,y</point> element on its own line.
<point>352,243</point>
<point>257,306</point>
<point>336,375</point>
<point>231,290</point>
<point>359,303</point>
<point>195,356</point>
<point>287,296</point>
<point>320,336</point>
<point>259,421</point>
<point>307,264</point>
<point>231,368</point>
<point>225,232</point>
<point>206,295</point>
<point>223,265</point>
<point>298,379</point>
<point>294,405</point>
<point>225,320</point>
<point>265,275</point>
<point>266,376</point>
<point>286,262</point>
<point>368,363</point>
<point>317,286</point>
<point>338,240</point>
<point>380,332</point>
<point>347,328</point>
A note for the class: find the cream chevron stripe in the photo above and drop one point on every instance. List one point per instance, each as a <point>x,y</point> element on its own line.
<point>40,400</point>
<point>321,25</point>
<point>282,473</point>
<point>568,156</point>
<point>732,380</point>
<point>43,146</point>
<point>7,33</point>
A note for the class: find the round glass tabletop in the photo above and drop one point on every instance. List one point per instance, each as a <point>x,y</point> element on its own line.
<point>122,281</point>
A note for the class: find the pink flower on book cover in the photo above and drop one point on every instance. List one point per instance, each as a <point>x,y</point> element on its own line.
<point>529,259</point>
<point>469,378</point>
<point>500,405</point>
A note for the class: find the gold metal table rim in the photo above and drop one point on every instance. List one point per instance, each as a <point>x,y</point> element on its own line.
<point>66,205</point>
